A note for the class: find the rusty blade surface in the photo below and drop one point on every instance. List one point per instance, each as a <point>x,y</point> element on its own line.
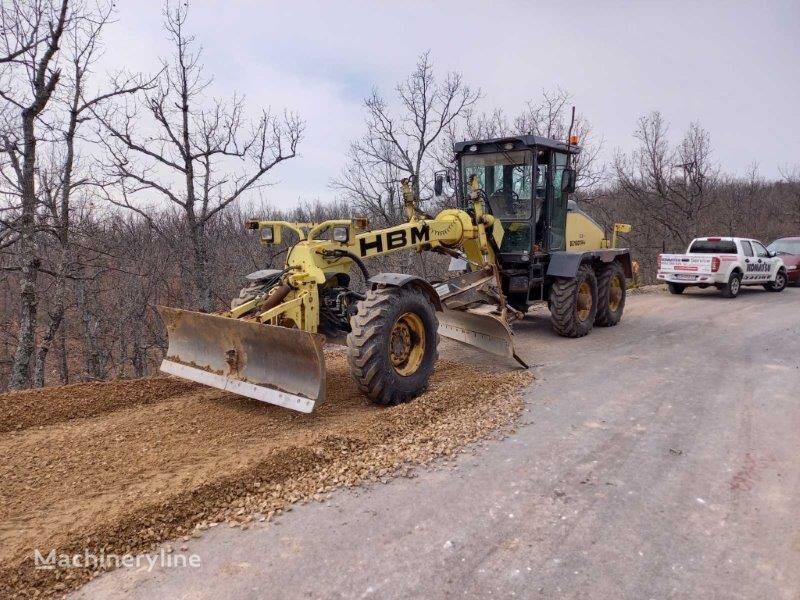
<point>273,364</point>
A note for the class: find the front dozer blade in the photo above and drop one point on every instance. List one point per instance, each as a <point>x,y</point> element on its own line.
<point>273,364</point>
<point>482,330</point>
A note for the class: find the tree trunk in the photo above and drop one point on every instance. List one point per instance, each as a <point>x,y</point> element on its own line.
<point>26,338</point>
<point>57,292</point>
<point>139,356</point>
<point>44,347</point>
<point>91,352</point>
<point>200,271</point>
<point>63,367</point>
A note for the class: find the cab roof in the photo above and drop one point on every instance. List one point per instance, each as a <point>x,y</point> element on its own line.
<point>519,141</point>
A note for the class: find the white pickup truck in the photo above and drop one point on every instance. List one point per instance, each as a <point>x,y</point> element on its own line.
<point>727,263</point>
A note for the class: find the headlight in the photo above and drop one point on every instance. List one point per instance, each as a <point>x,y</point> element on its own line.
<point>267,235</point>
<point>340,234</point>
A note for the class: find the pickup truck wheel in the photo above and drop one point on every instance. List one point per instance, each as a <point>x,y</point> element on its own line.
<point>610,294</point>
<point>778,285</point>
<point>676,288</point>
<point>731,289</point>
<point>573,303</point>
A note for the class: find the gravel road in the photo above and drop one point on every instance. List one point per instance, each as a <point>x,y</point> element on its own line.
<point>657,459</point>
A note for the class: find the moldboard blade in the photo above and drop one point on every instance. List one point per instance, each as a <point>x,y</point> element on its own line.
<point>483,331</point>
<point>278,365</point>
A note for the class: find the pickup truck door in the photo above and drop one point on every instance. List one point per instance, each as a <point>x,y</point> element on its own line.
<point>765,265</point>
<point>748,261</point>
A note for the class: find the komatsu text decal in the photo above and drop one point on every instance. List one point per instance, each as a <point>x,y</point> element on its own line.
<point>393,240</point>
<point>758,267</point>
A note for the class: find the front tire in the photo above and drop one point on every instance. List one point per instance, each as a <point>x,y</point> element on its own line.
<point>733,287</point>
<point>392,347</point>
<point>610,294</point>
<point>779,284</point>
<point>573,303</point>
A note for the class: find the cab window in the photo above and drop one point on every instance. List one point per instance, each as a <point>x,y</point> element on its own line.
<point>507,180</point>
<point>516,238</point>
<point>747,249</point>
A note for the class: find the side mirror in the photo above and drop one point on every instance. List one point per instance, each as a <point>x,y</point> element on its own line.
<point>568,180</point>
<point>438,185</point>
<point>440,178</point>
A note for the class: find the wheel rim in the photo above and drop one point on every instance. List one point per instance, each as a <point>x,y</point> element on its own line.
<point>584,306</point>
<point>615,294</point>
<point>407,344</point>
<point>780,281</point>
<point>735,285</point>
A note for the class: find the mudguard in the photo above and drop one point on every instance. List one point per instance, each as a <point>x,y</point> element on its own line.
<point>566,264</point>
<point>402,280</point>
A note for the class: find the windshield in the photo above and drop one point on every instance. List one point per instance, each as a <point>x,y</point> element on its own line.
<point>506,178</point>
<point>713,247</point>
<point>785,247</point>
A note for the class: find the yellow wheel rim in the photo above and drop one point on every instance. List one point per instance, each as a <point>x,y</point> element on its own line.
<point>584,306</point>
<point>615,293</point>
<point>407,344</point>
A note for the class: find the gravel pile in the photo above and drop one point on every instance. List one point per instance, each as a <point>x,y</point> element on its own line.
<point>184,458</point>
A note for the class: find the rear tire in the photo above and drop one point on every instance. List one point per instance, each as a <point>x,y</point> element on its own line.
<point>573,303</point>
<point>676,288</point>
<point>779,284</point>
<point>734,285</point>
<point>392,347</point>
<point>610,294</point>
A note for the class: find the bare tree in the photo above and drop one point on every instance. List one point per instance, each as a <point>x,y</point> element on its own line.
<point>402,143</point>
<point>31,36</point>
<point>200,156</point>
<point>670,185</point>
<point>60,182</point>
<point>791,177</point>
<point>21,29</point>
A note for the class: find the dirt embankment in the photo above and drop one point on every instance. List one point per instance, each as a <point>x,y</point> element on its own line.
<point>122,466</point>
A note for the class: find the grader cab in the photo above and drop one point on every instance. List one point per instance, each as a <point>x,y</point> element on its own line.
<point>549,245</point>
<point>513,240</point>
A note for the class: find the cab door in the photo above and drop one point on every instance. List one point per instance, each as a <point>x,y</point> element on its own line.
<point>767,266</point>
<point>749,261</point>
<point>558,205</point>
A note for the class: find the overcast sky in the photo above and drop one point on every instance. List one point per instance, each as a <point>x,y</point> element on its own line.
<point>733,66</point>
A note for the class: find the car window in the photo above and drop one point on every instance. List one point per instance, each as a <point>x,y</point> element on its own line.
<point>785,247</point>
<point>761,252</point>
<point>747,249</point>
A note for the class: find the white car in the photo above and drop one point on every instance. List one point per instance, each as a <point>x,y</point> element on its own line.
<point>727,263</point>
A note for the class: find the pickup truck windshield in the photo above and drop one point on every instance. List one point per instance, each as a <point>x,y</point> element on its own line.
<point>713,247</point>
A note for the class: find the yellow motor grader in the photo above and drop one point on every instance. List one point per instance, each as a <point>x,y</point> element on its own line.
<point>515,240</point>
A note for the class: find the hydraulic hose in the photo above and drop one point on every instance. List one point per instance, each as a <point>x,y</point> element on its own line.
<point>356,259</point>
